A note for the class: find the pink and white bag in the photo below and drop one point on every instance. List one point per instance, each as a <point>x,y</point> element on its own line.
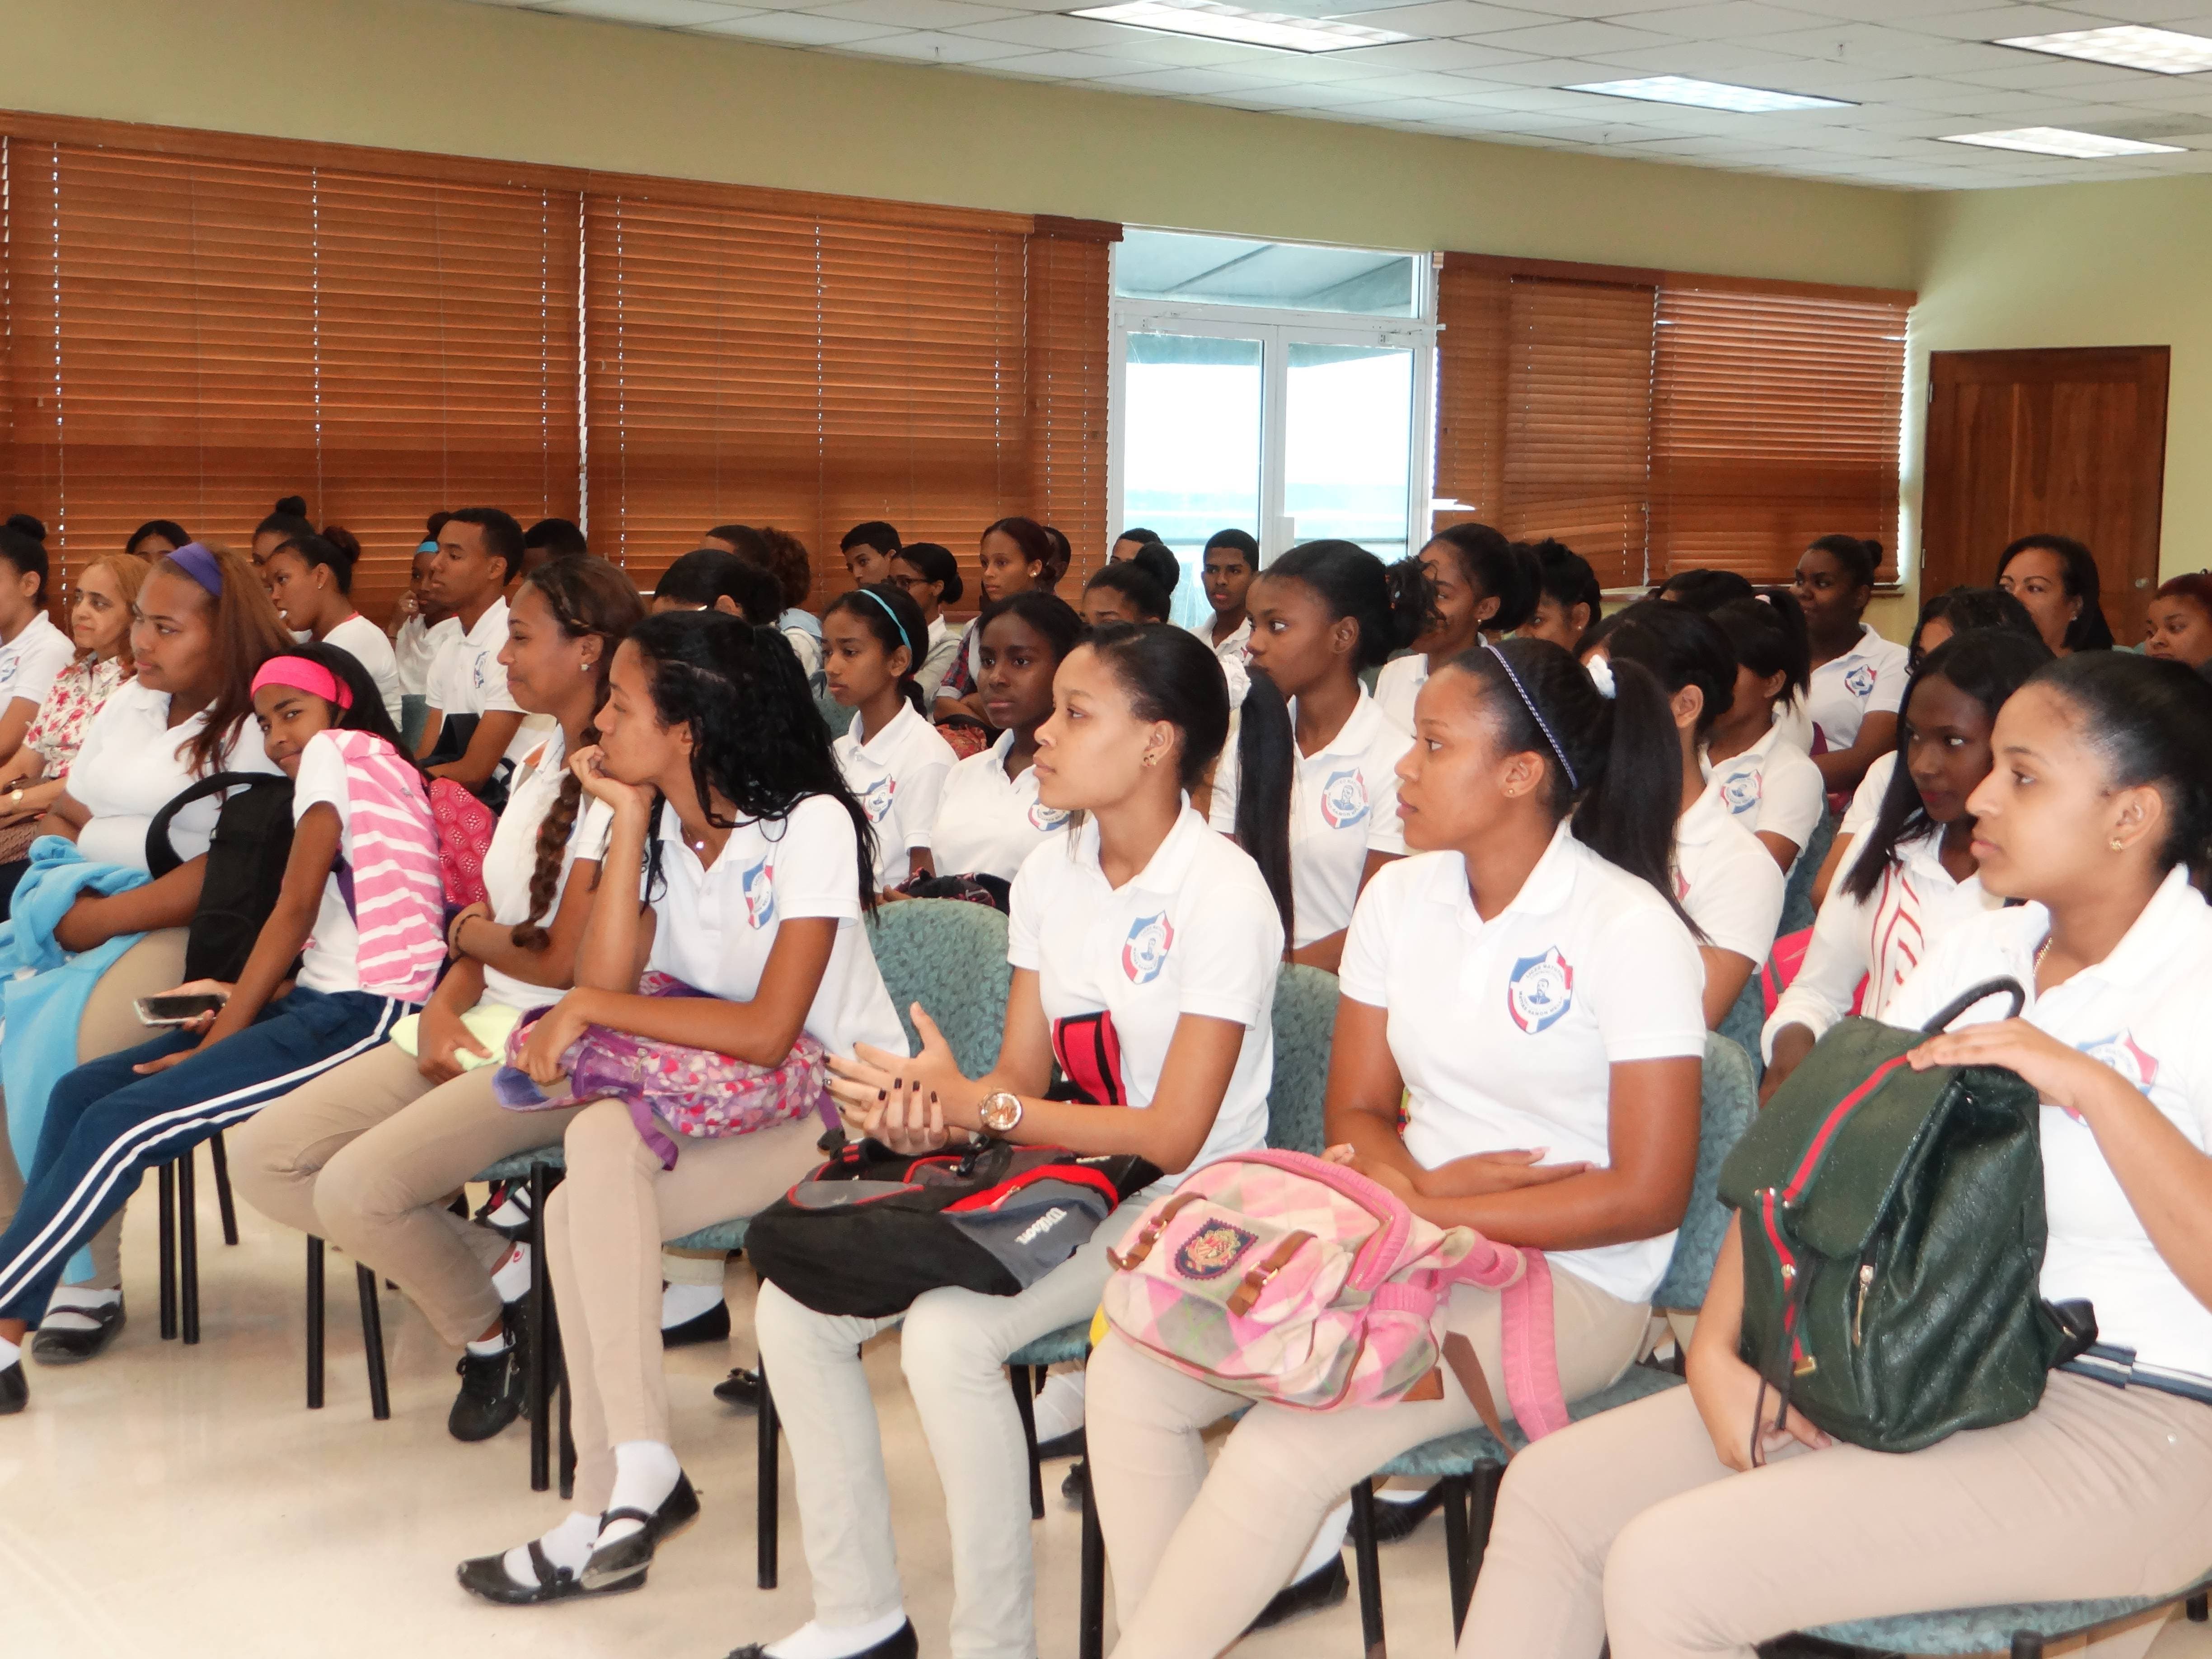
<point>1280,1276</point>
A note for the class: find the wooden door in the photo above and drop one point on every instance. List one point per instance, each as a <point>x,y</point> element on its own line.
<point>2072,442</point>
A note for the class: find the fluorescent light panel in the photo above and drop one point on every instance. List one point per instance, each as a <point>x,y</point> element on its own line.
<point>1216,22</point>
<point>2130,45</point>
<point>1709,94</point>
<point>2061,141</point>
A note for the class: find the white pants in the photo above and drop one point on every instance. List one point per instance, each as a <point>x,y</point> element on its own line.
<point>953,1350</point>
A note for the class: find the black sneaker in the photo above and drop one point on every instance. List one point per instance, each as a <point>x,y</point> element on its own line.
<point>69,1346</point>
<point>491,1396</point>
<point>712,1326</point>
<point>15,1388</point>
<point>741,1388</point>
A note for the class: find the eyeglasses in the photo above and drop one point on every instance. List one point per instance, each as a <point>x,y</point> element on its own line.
<point>907,584</point>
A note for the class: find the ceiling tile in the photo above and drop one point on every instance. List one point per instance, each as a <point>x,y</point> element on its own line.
<point>797,28</point>
<point>1573,39</point>
<point>1727,21</point>
<point>1186,82</point>
<point>660,14</point>
<point>1432,55</point>
<point>932,46</point>
<point>915,13</point>
<point>1063,65</point>
<point>1444,19</point>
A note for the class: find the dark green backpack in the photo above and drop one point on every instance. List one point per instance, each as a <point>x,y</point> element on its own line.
<point>1892,1233</point>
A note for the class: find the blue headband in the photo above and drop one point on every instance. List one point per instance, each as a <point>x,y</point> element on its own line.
<point>900,626</point>
<point>1536,714</point>
<point>196,561</point>
<point>426,546</point>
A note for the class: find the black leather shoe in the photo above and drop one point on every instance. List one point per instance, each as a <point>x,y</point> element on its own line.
<point>1323,1587</point>
<point>899,1644</point>
<point>15,1390</point>
<point>1072,1488</point>
<point>491,1396</point>
<point>66,1346</point>
<point>629,1557</point>
<point>740,1388</point>
<point>1060,1445</point>
<point>1395,1520</point>
<point>487,1576</point>
<point>712,1326</point>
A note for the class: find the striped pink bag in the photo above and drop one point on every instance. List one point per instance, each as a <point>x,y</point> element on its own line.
<point>1280,1276</point>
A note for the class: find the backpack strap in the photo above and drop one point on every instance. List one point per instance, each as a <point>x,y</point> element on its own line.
<point>161,856</point>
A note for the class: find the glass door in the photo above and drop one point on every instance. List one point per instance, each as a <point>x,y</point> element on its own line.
<point>1347,463</point>
<point>1194,408</point>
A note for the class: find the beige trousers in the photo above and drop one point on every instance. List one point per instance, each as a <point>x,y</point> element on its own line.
<point>367,1156</point>
<point>1628,1526</point>
<point>1196,1554</point>
<point>109,1023</point>
<point>604,1229</point>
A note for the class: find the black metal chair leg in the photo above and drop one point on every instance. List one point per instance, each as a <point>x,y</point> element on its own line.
<point>166,1181</point>
<point>2196,1608</point>
<point>371,1344</point>
<point>565,1464</point>
<point>1090,1632</point>
<point>222,1198</point>
<point>2026,1644</point>
<point>767,1485</point>
<point>537,1386</point>
<point>1365,1556</point>
<point>1484,1510</point>
<point>1455,1548</point>
<point>314,1323</point>
<point>1025,1403</point>
<point>188,1247</point>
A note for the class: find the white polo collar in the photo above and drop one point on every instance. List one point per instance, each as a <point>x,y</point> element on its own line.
<point>1163,872</point>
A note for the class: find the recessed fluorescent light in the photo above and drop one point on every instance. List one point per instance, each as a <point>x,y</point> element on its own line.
<point>2060,141</point>
<point>1709,94</point>
<point>1216,22</point>
<point>2162,52</point>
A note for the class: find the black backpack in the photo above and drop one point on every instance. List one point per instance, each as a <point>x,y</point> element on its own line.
<point>245,863</point>
<point>872,1229</point>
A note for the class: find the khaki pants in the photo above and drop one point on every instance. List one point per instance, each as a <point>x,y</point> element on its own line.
<point>367,1156</point>
<point>603,1228</point>
<point>1628,1526</point>
<point>1196,1554</point>
<point>109,1023</point>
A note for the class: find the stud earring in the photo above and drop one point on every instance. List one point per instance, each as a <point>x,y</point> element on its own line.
<point>2116,845</point>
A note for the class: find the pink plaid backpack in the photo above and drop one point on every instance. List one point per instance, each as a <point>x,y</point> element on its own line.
<point>1280,1276</point>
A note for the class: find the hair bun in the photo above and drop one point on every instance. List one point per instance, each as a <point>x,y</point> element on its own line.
<point>342,539</point>
<point>24,524</point>
<point>294,506</point>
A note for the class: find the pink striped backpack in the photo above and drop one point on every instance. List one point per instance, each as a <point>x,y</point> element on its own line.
<point>1280,1276</point>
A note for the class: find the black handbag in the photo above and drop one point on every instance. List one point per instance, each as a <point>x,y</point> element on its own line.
<point>1893,1235</point>
<point>245,859</point>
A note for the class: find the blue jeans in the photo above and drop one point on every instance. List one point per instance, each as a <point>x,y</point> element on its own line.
<point>106,1126</point>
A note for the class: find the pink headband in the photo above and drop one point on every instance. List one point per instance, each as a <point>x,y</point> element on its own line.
<point>304,675</point>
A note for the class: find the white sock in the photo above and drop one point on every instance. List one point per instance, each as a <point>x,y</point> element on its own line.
<point>9,1353</point>
<point>1328,1542</point>
<point>813,1641</point>
<point>485,1346</point>
<point>646,1471</point>
<point>681,1304</point>
<point>569,1544</point>
<point>1403,1494</point>
<point>1060,1407</point>
<point>64,1309</point>
<point>512,1277</point>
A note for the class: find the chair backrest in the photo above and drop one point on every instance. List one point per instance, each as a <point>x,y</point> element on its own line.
<point>1304,1020</point>
<point>1797,907</point>
<point>834,714</point>
<point>951,957</point>
<point>1730,1098</point>
<point>1743,1023</point>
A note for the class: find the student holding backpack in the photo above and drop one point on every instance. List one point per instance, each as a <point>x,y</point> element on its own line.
<point>1524,982</point>
<point>366,1156</point>
<point>359,913</point>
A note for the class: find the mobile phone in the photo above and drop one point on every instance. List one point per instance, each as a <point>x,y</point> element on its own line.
<point>178,1010</point>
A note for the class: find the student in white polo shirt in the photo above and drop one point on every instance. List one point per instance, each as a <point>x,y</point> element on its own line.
<point>1480,585</point>
<point>1728,883</point>
<point>874,639</point>
<point>1524,984</point>
<point>1142,938</point>
<point>1643,1518</point>
<point>752,895</point>
<point>479,553</point>
<point>1230,565</point>
<point>1858,676</point>
<point>1312,778</point>
<point>1764,778</point>
<point>32,651</point>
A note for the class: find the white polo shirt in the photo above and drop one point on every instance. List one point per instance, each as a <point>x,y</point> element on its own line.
<point>987,822</point>
<point>1772,786</point>
<point>30,662</point>
<point>1398,685</point>
<point>1866,799</point>
<point>1194,932</point>
<point>716,927</point>
<point>2140,1012</point>
<point>417,648</point>
<point>1729,882</point>
<point>1344,805</point>
<point>466,678</point>
<point>1504,1031</point>
<point>1234,653</point>
<point>512,858</point>
<point>1875,942</point>
<point>898,775</point>
<point>1867,679</point>
<point>129,768</point>
<point>372,651</point>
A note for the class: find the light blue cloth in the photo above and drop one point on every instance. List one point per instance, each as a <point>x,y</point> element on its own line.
<point>805,621</point>
<point>45,989</point>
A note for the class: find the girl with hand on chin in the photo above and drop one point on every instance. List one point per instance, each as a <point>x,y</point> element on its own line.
<point>368,948</point>
<point>1140,934</point>
<point>1522,983</point>
<point>874,639</point>
<point>1640,1521</point>
<point>739,867</point>
<point>310,578</point>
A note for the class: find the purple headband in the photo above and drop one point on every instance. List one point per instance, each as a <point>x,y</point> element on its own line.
<point>196,561</point>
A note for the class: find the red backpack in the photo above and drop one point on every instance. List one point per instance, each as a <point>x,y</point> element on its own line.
<point>464,830</point>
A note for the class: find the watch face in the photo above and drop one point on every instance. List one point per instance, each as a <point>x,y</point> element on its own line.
<point>1002,1111</point>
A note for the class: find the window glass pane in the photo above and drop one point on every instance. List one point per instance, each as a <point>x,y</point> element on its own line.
<point>1229,270</point>
<point>1349,444</point>
<point>1193,450</point>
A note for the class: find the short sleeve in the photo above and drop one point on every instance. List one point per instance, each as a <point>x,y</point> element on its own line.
<point>1737,904</point>
<point>492,676</point>
<point>1031,889</point>
<point>1646,987</point>
<point>437,681</point>
<point>322,779</point>
<point>1866,799</point>
<point>1221,808</point>
<point>1890,676</point>
<point>1792,796</point>
<point>1363,974</point>
<point>1386,831</point>
<point>588,840</point>
<point>42,664</point>
<point>1234,937</point>
<point>817,866</point>
<point>920,794</point>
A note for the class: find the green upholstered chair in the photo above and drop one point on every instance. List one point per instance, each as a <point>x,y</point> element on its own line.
<point>1797,907</point>
<point>2020,1628</point>
<point>951,957</point>
<point>834,714</point>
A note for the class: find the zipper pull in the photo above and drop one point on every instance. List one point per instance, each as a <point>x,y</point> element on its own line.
<point>1858,1311</point>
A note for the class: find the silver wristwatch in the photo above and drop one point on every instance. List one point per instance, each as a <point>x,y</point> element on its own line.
<point>1000,1112</point>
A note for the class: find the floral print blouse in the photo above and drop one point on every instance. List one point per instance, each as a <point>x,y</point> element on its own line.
<point>58,729</point>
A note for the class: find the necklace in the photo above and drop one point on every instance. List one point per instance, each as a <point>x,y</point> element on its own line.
<point>2035,967</point>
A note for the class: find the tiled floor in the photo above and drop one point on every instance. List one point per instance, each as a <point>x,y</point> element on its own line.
<point>181,1501</point>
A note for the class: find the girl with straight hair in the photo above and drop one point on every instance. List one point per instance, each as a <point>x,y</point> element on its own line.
<point>893,760</point>
<point>2056,577</point>
<point>1858,676</point>
<point>1482,585</point>
<point>1637,1524</point>
<point>1764,777</point>
<point>310,579</point>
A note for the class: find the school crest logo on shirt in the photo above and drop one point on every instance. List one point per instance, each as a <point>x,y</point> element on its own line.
<point>1213,1250</point>
<point>1860,681</point>
<point>2122,1054</point>
<point>758,885</point>
<point>1344,798</point>
<point>487,667</point>
<point>1540,991</point>
<point>1145,952</point>
<point>1047,818</point>
<point>1740,791</point>
<point>876,799</point>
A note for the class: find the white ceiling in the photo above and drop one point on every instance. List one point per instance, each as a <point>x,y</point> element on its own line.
<point>1914,71</point>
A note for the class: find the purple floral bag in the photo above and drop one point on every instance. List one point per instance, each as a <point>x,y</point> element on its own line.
<point>697,1092</point>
